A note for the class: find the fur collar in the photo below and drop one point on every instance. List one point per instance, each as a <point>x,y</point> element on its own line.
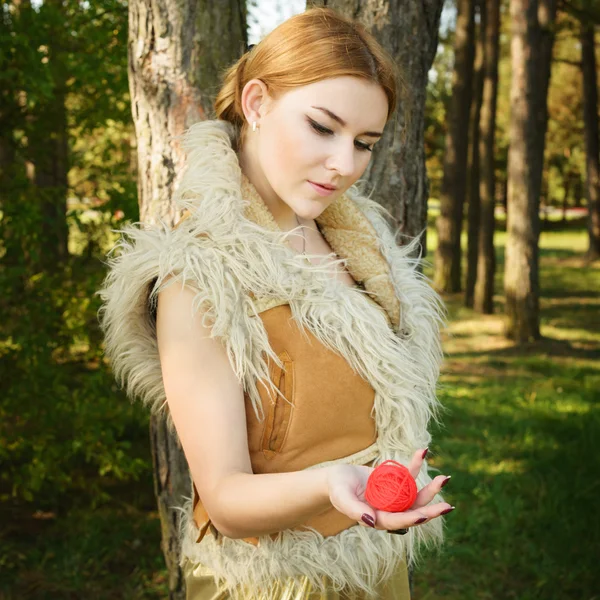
<point>231,251</point>
<point>351,236</point>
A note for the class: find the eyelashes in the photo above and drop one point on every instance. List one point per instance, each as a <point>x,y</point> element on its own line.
<point>324,131</point>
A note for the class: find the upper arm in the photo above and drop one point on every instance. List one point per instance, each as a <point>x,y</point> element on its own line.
<point>204,396</point>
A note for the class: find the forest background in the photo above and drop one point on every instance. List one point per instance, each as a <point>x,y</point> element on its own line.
<point>78,510</point>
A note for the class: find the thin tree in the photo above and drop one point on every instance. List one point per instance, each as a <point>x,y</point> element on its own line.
<point>486,256</point>
<point>531,54</point>
<point>176,52</point>
<point>48,140</point>
<point>590,118</point>
<point>473,171</point>
<point>409,32</point>
<point>14,118</point>
<point>447,276</point>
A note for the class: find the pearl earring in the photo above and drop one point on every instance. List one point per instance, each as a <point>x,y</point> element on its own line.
<point>253,125</point>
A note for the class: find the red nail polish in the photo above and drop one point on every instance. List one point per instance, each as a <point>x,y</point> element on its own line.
<point>446,481</point>
<point>421,520</point>
<point>445,512</point>
<point>368,519</point>
<point>425,453</point>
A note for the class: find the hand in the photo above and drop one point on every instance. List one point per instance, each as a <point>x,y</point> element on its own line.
<point>347,485</point>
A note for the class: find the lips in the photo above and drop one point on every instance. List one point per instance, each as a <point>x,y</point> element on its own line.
<point>327,186</point>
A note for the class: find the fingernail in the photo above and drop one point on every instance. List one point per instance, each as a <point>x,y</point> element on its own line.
<point>425,453</point>
<point>421,520</point>
<point>368,519</point>
<point>446,480</point>
<point>445,512</point>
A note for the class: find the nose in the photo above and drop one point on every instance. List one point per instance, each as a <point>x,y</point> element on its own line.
<point>342,159</point>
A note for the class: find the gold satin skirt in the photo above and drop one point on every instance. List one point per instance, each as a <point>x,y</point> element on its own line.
<point>200,585</point>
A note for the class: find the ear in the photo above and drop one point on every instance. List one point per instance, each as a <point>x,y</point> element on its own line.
<point>255,99</point>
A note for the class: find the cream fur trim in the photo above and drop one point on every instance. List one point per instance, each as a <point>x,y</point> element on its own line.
<point>238,261</point>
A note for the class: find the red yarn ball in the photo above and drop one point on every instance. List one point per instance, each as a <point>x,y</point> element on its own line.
<point>391,487</point>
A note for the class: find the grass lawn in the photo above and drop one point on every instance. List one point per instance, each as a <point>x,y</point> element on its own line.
<point>517,436</point>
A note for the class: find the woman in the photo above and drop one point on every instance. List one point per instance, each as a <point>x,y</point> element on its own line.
<point>293,345</point>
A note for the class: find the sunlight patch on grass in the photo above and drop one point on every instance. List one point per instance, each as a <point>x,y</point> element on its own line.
<point>555,331</point>
<point>572,407</point>
<point>480,325</point>
<point>485,467</point>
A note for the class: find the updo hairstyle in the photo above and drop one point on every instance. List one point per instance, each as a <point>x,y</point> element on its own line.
<point>308,47</point>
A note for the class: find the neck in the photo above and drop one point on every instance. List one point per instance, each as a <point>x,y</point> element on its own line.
<point>284,216</point>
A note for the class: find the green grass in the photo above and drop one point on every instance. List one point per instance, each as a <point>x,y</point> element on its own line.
<point>112,552</point>
<point>519,438</point>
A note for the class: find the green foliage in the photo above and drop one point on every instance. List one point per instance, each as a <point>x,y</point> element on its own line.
<point>66,428</point>
<point>66,431</point>
<point>62,58</point>
<point>110,553</point>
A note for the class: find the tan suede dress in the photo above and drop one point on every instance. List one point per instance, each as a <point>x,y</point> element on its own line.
<point>321,408</point>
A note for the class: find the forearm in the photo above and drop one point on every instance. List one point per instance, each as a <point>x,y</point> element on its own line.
<point>253,505</point>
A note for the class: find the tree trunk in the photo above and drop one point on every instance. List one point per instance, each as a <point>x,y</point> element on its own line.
<point>409,32</point>
<point>565,202</point>
<point>13,170</point>
<point>531,52</point>
<point>473,199</point>
<point>590,118</point>
<point>578,193</point>
<point>447,277</point>
<point>49,153</point>
<point>12,260</point>
<point>176,52</point>
<point>50,156</point>
<point>486,261</point>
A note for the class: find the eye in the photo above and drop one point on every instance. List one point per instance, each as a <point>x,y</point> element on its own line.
<point>324,131</point>
<point>361,146</point>
<point>319,128</point>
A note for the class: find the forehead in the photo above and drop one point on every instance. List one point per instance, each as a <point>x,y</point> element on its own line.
<point>362,104</point>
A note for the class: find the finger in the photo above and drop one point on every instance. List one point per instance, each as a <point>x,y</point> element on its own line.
<point>410,518</point>
<point>427,493</point>
<point>416,462</point>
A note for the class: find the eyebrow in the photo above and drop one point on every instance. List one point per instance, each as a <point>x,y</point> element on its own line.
<point>343,123</point>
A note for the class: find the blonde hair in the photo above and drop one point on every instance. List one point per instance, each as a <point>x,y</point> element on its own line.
<point>309,47</point>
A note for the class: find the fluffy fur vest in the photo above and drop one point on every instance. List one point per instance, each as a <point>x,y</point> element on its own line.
<point>238,261</point>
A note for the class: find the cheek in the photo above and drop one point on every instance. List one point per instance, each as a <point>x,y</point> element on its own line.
<point>362,162</point>
<point>288,153</point>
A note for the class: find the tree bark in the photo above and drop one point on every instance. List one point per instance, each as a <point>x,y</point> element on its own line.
<point>473,198</point>
<point>486,260</point>
<point>49,152</point>
<point>447,277</point>
<point>565,202</point>
<point>176,53</point>
<point>50,156</point>
<point>409,32</point>
<point>531,52</point>
<point>590,118</point>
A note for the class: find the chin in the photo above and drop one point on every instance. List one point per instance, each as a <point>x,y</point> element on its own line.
<point>311,209</point>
